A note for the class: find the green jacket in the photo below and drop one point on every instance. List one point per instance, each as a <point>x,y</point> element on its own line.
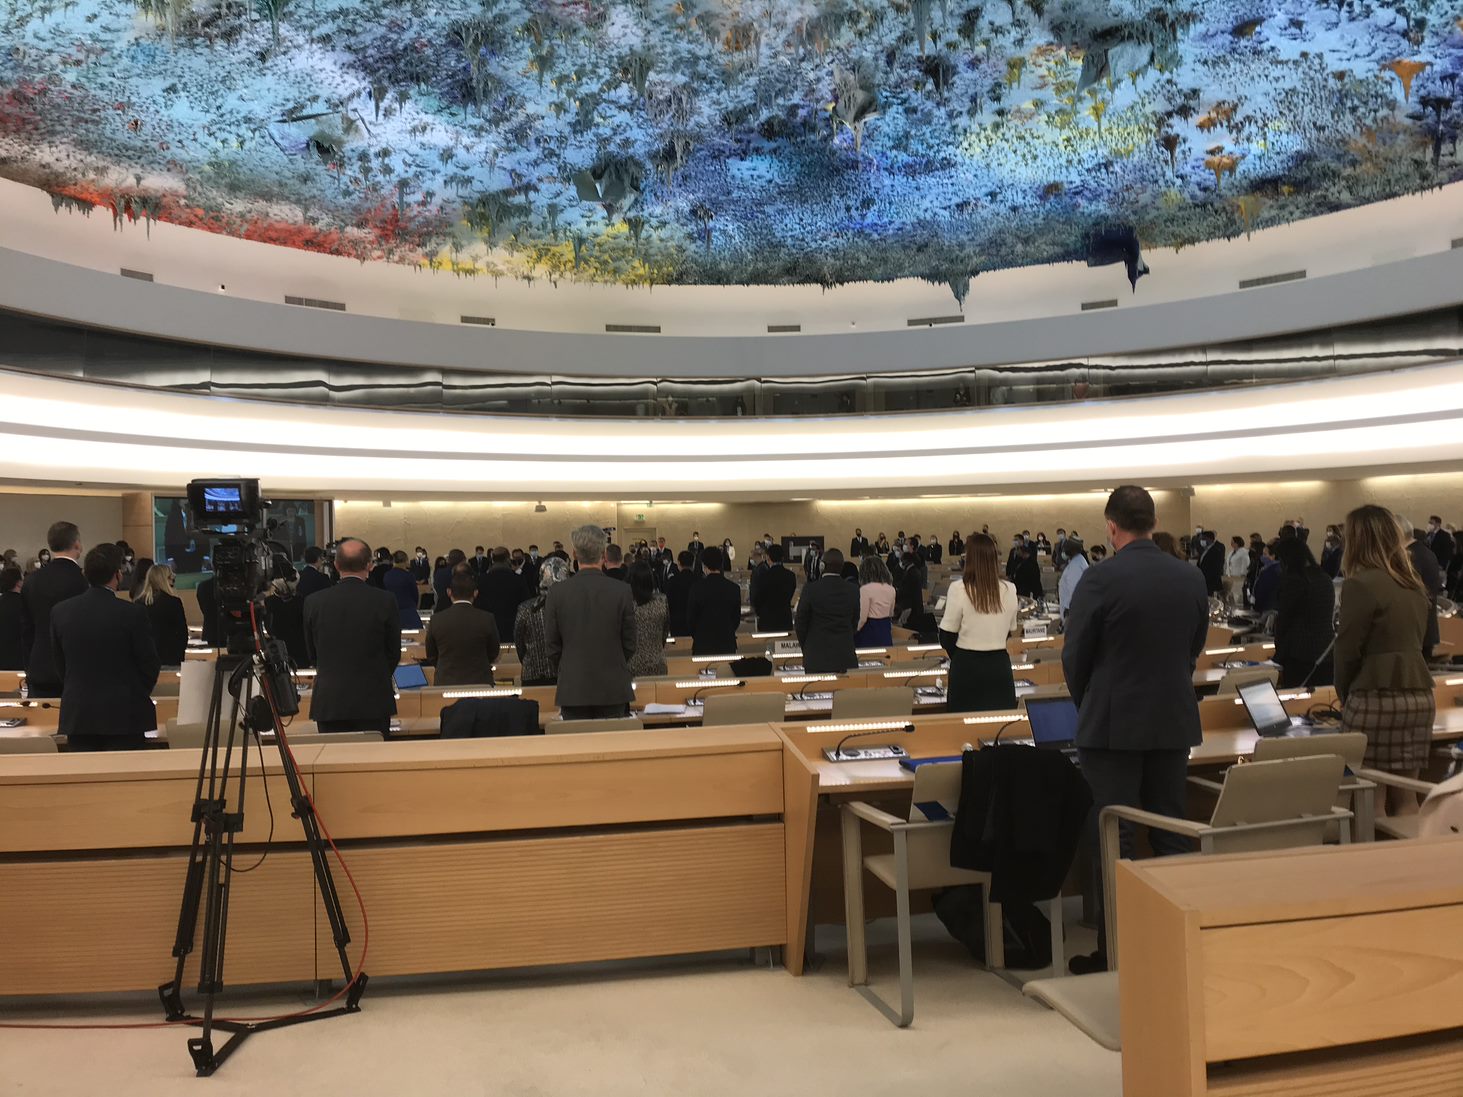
<point>1379,639</point>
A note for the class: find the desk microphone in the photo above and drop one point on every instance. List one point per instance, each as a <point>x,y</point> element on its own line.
<point>1004,726</point>
<point>902,727</point>
<point>720,683</point>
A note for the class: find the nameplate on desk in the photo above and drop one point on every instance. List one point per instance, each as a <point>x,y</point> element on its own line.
<point>864,754</point>
<point>1034,630</point>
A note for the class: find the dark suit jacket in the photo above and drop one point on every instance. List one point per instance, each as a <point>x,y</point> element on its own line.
<point>678,596</point>
<point>103,649</point>
<point>1431,575</point>
<point>206,593</point>
<point>1028,578</point>
<point>400,584</point>
<point>827,619</point>
<point>1443,548</point>
<point>311,582</point>
<point>464,642</point>
<point>169,628</point>
<point>286,620</point>
<point>1211,565</point>
<point>57,581</point>
<point>12,631</point>
<point>857,547</point>
<point>353,636</point>
<point>1305,605</point>
<point>589,630</point>
<point>1135,629</point>
<point>378,575</point>
<point>500,591</point>
<point>771,597</point>
<point>714,610</point>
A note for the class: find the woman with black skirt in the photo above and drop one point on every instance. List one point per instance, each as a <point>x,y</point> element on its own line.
<point>980,613</point>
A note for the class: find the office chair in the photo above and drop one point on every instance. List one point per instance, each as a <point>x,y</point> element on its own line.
<point>1356,793</point>
<point>1279,804</point>
<point>28,744</point>
<point>571,727</point>
<point>722,709</point>
<point>1243,676</point>
<point>849,704</point>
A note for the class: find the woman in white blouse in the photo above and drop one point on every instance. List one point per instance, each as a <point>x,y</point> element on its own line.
<point>875,604</point>
<point>980,613</point>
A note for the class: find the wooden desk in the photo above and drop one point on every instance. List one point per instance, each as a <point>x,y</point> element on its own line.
<point>1322,970</point>
<point>470,855</point>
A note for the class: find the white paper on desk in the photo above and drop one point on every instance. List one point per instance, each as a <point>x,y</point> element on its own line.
<point>665,710</point>
<point>195,690</point>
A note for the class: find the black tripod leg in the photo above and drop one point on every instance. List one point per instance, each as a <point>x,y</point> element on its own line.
<point>199,851</point>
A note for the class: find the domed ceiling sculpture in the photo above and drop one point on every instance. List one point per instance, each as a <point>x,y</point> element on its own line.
<point>725,142</point>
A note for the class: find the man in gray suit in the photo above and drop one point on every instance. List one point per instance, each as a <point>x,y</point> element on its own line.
<point>462,639</point>
<point>589,626</point>
<point>1135,629</point>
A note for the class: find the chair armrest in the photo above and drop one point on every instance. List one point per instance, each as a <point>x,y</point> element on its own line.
<point>1187,827</point>
<point>870,814</point>
<point>1206,784</point>
<point>1394,780</point>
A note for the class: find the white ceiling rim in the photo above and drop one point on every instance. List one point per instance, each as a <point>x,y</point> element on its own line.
<point>58,430</point>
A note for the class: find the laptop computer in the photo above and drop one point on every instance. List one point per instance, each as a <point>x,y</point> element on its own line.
<point>1053,723</point>
<point>1267,711</point>
<point>410,676</point>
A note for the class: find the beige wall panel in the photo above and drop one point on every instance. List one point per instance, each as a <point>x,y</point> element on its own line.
<point>24,519</point>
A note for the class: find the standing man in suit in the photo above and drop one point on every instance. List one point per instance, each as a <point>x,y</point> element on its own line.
<point>12,606</point>
<point>1433,580</point>
<point>1135,629</point>
<point>813,562</point>
<point>353,636</point>
<point>207,594</point>
<point>956,547</point>
<point>697,549</point>
<point>401,586</point>
<point>772,593</point>
<point>933,550</point>
<point>828,615</point>
<point>1302,531</point>
<point>589,630</point>
<point>1441,542</point>
<point>480,561</point>
<point>1211,562</point>
<point>312,575</point>
<point>103,649</point>
<point>462,639</point>
<point>615,563</point>
<point>678,587</point>
<point>501,591</point>
<point>714,609</point>
<point>858,546</point>
<point>59,580</point>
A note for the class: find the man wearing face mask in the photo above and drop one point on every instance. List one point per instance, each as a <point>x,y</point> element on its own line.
<point>421,567</point>
<point>1013,559</point>
<point>1211,561</point>
<point>1441,542</point>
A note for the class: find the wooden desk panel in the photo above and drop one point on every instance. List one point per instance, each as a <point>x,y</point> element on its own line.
<point>126,800</point>
<point>511,903</point>
<point>88,926</point>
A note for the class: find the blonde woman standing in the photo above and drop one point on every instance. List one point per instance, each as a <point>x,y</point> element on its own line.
<point>980,613</point>
<point>1382,679</point>
<point>164,614</point>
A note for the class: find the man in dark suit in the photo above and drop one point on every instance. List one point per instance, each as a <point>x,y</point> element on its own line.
<point>462,639</point>
<point>480,562</point>
<point>858,546</point>
<point>1211,562</point>
<point>353,636</point>
<point>772,592</point>
<point>696,548</point>
<point>1433,582</point>
<point>934,552</point>
<point>312,575</point>
<point>12,632</point>
<point>377,578</point>
<point>54,583</point>
<point>589,629</point>
<point>615,562</point>
<point>714,609</point>
<point>501,591</point>
<point>207,594</point>
<point>1135,629</point>
<point>827,620</point>
<point>956,546</point>
<point>813,562</point>
<point>678,589</point>
<point>1441,542</point>
<point>104,652</point>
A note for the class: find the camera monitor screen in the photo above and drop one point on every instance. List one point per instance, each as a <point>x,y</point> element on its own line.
<point>222,500</point>
<point>219,503</point>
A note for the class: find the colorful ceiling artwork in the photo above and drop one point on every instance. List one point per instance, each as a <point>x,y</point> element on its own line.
<point>716,142</point>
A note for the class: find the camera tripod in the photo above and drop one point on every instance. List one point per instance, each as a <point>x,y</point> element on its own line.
<point>218,817</point>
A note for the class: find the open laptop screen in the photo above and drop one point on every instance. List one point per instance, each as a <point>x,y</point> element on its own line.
<point>1266,710</point>
<point>1053,720</point>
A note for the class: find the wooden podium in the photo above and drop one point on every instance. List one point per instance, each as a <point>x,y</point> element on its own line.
<point>1336,970</point>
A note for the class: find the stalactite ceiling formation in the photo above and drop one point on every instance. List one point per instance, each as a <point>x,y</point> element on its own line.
<point>720,142</point>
